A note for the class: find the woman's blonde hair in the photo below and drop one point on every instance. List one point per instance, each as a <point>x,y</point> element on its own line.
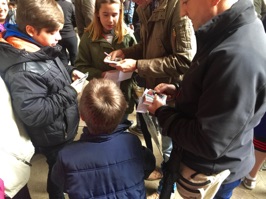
<point>96,29</point>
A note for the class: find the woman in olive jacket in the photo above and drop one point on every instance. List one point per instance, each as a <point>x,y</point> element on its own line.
<point>97,40</point>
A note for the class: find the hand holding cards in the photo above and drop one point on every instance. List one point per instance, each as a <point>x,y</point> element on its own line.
<point>109,61</point>
<point>78,84</point>
<point>147,99</point>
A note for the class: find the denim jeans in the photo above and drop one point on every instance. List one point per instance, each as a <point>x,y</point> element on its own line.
<point>226,190</point>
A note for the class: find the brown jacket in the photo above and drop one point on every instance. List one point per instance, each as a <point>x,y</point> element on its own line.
<point>166,48</point>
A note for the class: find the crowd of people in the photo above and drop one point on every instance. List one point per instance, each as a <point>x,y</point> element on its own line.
<point>208,60</point>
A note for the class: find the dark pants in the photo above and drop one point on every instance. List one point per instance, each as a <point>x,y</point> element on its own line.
<point>22,194</point>
<point>51,153</point>
<point>149,162</point>
<point>69,50</point>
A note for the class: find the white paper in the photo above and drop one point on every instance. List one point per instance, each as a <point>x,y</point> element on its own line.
<point>108,61</point>
<point>80,81</point>
<point>117,76</point>
<point>143,106</point>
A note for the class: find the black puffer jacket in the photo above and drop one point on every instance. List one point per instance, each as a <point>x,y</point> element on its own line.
<point>41,94</point>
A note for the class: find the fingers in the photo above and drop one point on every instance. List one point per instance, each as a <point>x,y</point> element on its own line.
<point>77,75</point>
<point>117,53</point>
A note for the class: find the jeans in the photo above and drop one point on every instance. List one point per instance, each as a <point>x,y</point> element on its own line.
<point>226,190</point>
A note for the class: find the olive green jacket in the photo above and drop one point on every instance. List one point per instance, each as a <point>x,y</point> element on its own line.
<point>167,44</point>
<point>90,59</point>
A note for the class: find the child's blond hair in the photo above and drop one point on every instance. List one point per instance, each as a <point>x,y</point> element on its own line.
<point>102,106</point>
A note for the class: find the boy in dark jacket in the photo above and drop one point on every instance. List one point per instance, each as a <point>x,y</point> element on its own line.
<point>39,84</point>
<point>107,162</point>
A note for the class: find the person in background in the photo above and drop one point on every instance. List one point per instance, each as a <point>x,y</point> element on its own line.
<point>42,93</point>
<point>259,141</point>
<point>107,162</point>
<point>69,41</point>
<point>216,109</point>
<point>260,7</point>
<point>107,32</point>
<point>16,150</point>
<point>129,11</point>
<point>84,10</point>
<point>11,16</point>
<point>3,13</point>
<point>129,8</point>
<point>163,54</point>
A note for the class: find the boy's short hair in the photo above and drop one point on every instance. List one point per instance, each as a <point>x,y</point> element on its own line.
<point>39,14</point>
<point>102,106</point>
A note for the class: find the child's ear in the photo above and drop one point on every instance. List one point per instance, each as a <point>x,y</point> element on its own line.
<point>30,30</point>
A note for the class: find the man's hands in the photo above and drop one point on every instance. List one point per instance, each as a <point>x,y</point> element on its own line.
<point>116,53</point>
<point>167,89</point>
<point>125,65</point>
<point>157,103</point>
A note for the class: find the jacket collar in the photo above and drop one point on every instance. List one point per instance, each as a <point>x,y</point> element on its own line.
<point>11,55</point>
<point>240,13</point>
<point>13,31</point>
<point>87,136</point>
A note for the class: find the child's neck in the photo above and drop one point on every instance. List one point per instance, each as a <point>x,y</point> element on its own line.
<point>106,32</point>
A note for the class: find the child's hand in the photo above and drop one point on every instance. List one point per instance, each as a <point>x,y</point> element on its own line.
<point>77,75</point>
<point>78,84</point>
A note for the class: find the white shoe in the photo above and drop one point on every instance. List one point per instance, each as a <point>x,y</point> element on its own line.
<point>249,184</point>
